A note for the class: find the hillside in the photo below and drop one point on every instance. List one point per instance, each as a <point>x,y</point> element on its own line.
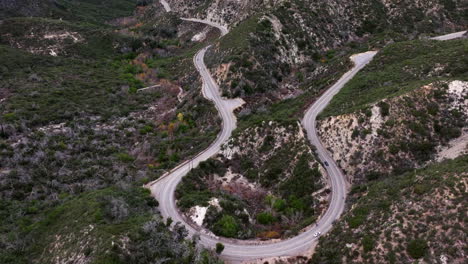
<point>400,111</point>
<point>231,12</point>
<point>279,49</point>
<point>406,110</point>
<point>414,217</point>
<point>101,98</point>
<point>400,68</point>
<point>92,11</point>
<point>115,226</point>
<point>78,136</point>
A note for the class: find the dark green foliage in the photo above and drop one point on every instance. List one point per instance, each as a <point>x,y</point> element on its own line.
<point>301,184</point>
<point>100,91</point>
<point>103,217</point>
<point>384,108</point>
<point>279,205</point>
<point>219,248</point>
<point>368,243</point>
<point>226,226</point>
<point>265,218</point>
<point>125,157</point>
<point>94,11</point>
<point>359,217</point>
<point>417,248</point>
<point>191,199</point>
<point>421,150</point>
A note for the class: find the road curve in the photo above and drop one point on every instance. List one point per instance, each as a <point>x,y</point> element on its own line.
<point>237,251</point>
<point>224,30</point>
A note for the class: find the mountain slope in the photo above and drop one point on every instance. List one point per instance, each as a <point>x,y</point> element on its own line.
<point>417,216</point>
<point>400,110</point>
<point>277,49</point>
<point>78,136</point>
<point>82,10</point>
<point>98,98</point>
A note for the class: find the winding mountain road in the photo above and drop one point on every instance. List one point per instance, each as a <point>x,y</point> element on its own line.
<point>237,251</point>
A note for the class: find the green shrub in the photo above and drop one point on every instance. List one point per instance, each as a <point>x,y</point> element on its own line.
<point>356,221</point>
<point>360,215</point>
<point>384,108</point>
<point>265,218</point>
<point>146,129</point>
<point>373,175</point>
<point>279,205</point>
<point>296,204</point>
<point>219,248</point>
<point>368,243</point>
<point>226,226</point>
<point>195,198</point>
<point>9,117</point>
<point>302,181</point>
<point>417,248</point>
<point>125,157</point>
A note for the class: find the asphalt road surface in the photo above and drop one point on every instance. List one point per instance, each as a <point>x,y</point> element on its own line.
<point>224,30</point>
<point>450,36</point>
<point>166,5</point>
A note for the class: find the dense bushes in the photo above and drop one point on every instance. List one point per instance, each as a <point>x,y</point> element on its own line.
<point>395,219</point>
<point>265,218</point>
<point>226,226</point>
<point>303,179</point>
<point>193,190</point>
<point>101,92</point>
<point>101,220</point>
<point>93,11</point>
<point>83,131</point>
<point>219,248</point>
<point>417,248</point>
